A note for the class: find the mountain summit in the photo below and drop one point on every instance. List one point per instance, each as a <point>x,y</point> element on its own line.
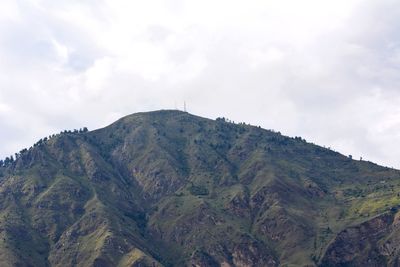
<point>167,188</point>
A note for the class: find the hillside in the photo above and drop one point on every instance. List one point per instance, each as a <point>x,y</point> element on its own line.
<point>167,188</point>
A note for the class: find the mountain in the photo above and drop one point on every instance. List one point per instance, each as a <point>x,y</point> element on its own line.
<point>167,188</point>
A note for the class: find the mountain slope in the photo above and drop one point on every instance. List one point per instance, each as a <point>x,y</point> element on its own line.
<point>167,188</point>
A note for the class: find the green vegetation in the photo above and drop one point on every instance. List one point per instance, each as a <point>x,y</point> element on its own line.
<point>198,190</point>
<point>167,188</point>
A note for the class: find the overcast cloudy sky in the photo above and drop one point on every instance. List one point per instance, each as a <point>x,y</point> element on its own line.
<point>326,70</point>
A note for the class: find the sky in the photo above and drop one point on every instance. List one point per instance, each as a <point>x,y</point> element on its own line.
<point>326,70</point>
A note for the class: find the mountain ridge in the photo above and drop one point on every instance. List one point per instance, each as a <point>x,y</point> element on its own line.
<point>167,188</point>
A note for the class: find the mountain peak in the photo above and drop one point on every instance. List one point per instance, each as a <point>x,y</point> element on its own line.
<point>168,188</point>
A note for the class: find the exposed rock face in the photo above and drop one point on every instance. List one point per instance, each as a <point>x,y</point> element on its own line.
<point>252,253</point>
<point>168,188</point>
<point>372,243</point>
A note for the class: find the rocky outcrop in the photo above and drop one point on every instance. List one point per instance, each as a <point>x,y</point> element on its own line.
<point>373,243</point>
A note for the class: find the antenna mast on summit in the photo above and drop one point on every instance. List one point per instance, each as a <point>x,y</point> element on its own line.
<point>184,106</point>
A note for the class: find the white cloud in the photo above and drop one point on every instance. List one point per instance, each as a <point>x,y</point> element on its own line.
<point>9,11</point>
<point>326,70</point>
